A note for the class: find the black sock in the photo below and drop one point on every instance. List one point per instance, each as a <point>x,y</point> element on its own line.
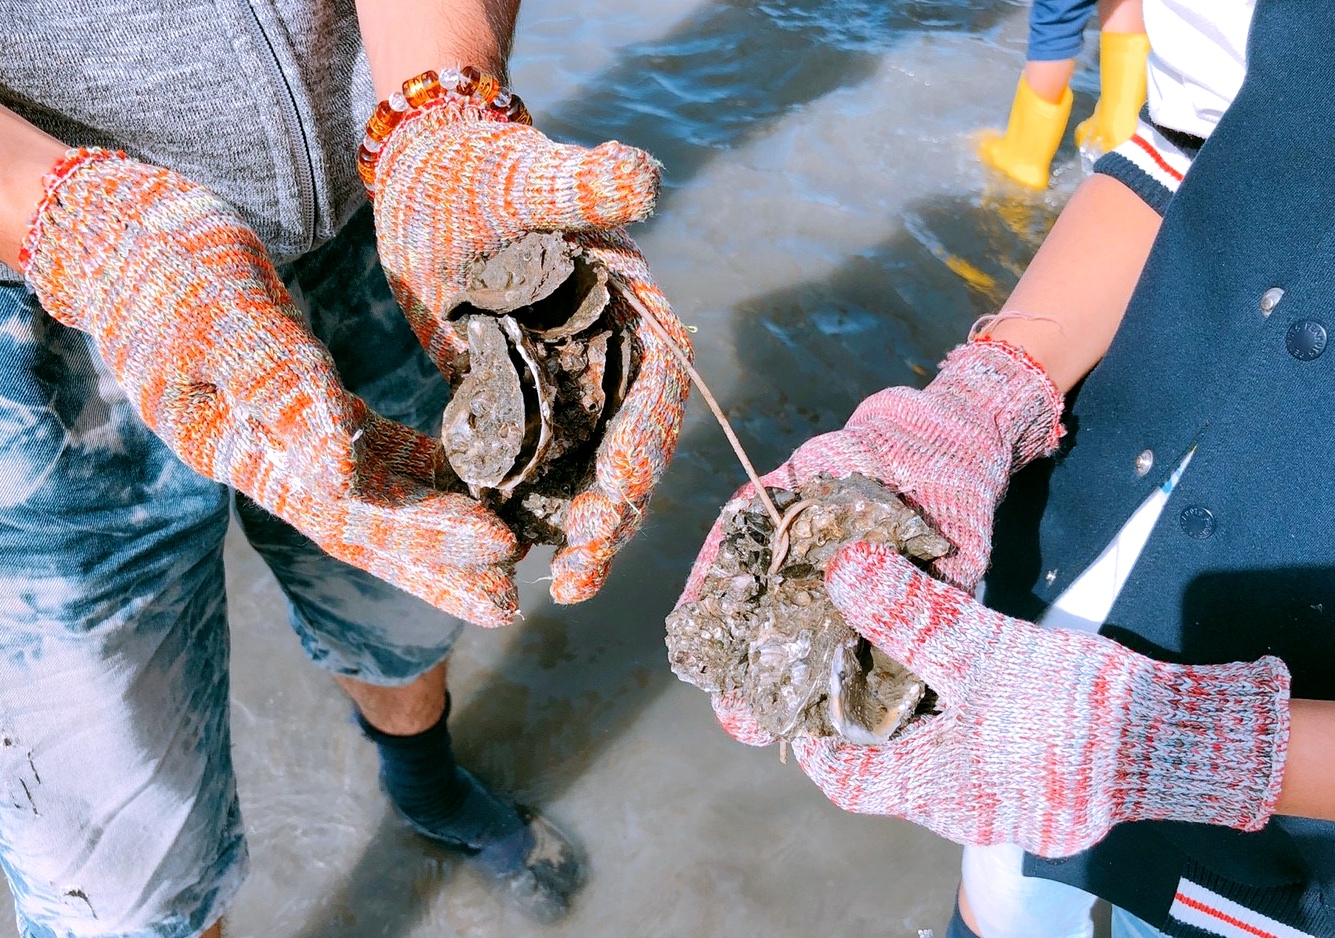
<point>435,795</point>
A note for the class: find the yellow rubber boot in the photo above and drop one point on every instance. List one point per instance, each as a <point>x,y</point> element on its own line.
<point>1121,93</point>
<point>1033,132</point>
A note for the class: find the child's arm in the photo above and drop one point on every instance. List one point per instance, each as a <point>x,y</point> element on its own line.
<point>1070,300</point>
<point>1308,789</point>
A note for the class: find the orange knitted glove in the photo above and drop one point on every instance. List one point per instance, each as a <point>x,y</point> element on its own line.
<point>452,186</point>
<point>189,313</point>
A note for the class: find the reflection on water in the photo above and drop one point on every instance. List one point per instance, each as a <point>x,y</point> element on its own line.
<point>729,70</point>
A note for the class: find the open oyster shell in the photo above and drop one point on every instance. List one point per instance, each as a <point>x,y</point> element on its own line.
<point>547,366</point>
<point>779,640</point>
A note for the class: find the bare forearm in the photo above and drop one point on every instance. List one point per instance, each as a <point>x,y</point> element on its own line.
<point>1071,299</point>
<point>404,38</point>
<point>1309,772</point>
<point>26,154</point>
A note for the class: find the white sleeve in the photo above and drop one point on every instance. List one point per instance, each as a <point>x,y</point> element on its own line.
<point>1198,56</point>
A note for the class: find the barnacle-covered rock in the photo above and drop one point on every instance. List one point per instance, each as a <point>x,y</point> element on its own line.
<point>778,639</point>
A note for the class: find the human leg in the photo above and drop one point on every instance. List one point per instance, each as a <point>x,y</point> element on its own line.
<point>521,851</point>
<point>1042,103</point>
<point>1050,80</point>
<point>1123,49</point>
<point>120,814</point>
<point>384,647</point>
<point>1033,131</point>
<point>1121,16</point>
<point>958,926</point>
<point>998,901</point>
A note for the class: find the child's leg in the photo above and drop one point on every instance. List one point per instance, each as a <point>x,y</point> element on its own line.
<point>957,927</point>
<point>1123,48</point>
<point>1049,80</point>
<point>1033,132</point>
<point>1042,101</point>
<point>1121,16</point>
<point>999,901</point>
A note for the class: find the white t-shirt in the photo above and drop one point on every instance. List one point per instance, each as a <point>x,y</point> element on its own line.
<point>1198,54</point>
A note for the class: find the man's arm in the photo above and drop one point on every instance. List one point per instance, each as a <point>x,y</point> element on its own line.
<point>1071,299</point>
<point>404,38</point>
<point>26,154</point>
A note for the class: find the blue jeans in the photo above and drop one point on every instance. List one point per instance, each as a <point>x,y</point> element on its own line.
<point>119,813</point>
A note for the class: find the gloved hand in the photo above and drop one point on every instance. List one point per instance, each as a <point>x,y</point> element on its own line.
<point>1044,737</point>
<point>949,450</point>
<point>189,313</point>
<point>453,185</point>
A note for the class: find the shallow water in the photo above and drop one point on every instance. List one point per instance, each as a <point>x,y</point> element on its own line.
<point>826,228</point>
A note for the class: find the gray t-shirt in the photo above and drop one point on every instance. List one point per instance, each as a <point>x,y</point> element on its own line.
<point>263,102</point>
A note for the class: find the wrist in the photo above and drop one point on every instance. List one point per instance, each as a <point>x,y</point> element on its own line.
<point>69,163</point>
<point>27,155</point>
<point>1206,743</point>
<point>459,94</point>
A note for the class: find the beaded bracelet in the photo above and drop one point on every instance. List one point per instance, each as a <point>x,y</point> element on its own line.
<point>463,86</point>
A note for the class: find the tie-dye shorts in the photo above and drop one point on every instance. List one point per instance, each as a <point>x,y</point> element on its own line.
<point>118,807</point>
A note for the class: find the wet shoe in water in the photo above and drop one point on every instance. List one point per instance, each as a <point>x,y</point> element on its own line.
<point>531,862</point>
<point>535,865</point>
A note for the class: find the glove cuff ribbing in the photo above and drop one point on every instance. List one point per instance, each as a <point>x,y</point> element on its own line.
<point>1013,388</point>
<point>1207,743</point>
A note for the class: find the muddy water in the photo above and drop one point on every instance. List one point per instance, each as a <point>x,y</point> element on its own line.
<point>826,229</point>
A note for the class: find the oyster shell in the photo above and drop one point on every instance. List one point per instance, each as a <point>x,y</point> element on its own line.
<point>778,639</point>
<point>547,366</point>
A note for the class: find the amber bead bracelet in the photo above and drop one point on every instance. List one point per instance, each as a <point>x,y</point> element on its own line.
<point>465,86</point>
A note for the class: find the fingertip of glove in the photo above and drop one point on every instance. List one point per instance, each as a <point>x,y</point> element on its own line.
<point>623,181</point>
<point>736,720</point>
<point>493,612</point>
<point>487,597</point>
<point>577,574</point>
<point>494,619</point>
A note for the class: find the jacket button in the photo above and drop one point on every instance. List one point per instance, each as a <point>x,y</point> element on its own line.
<point>1270,299</point>
<point>1197,522</point>
<point>1306,340</point>
<point>1144,462</point>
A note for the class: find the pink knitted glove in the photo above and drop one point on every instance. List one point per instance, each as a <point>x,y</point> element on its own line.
<point>1044,737</point>
<point>948,449</point>
<point>189,313</point>
<point>454,185</point>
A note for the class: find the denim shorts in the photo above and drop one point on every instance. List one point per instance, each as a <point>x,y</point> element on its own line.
<point>1057,29</point>
<point>119,813</point>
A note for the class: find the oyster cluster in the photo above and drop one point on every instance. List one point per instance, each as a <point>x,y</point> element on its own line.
<point>546,368</point>
<point>776,638</point>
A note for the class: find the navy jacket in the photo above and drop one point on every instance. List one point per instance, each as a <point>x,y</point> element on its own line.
<point>1242,561</point>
